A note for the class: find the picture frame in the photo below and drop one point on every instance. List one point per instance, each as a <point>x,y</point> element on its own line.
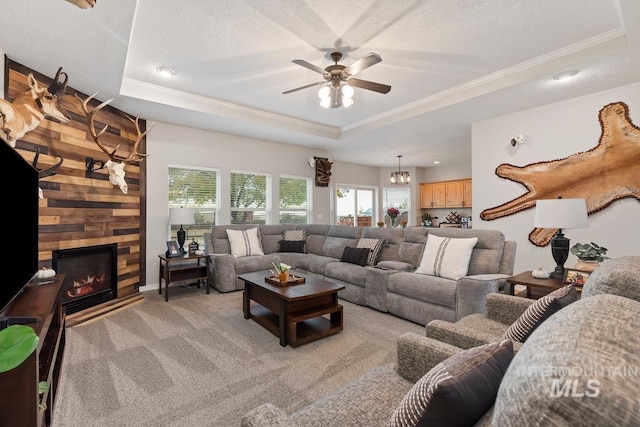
<point>173,250</point>
<point>575,277</point>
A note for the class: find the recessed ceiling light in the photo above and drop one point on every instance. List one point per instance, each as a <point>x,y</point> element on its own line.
<point>166,71</point>
<point>565,75</point>
<point>437,162</point>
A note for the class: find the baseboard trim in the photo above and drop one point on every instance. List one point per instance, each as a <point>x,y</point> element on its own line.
<point>103,310</point>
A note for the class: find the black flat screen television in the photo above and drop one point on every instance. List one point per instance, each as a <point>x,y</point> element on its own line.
<point>19,230</point>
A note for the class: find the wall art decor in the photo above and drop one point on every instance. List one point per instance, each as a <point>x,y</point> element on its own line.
<point>600,175</point>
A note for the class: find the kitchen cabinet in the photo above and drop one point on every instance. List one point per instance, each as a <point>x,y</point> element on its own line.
<point>433,195</point>
<point>446,194</point>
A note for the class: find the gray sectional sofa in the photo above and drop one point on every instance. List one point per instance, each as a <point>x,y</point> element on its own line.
<point>392,285</point>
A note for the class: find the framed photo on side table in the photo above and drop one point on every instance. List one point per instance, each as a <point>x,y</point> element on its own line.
<point>576,277</point>
<point>172,249</point>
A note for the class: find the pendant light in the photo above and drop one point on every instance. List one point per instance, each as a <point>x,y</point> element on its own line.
<point>400,177</point>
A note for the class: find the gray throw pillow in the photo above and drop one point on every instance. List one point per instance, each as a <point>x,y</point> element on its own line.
<point>457,391</point>
<point>540,311</point>
<point>292,246</point>
<point>355,255</point>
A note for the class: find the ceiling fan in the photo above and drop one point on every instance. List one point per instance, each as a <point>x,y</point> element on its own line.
<point>337,87</point>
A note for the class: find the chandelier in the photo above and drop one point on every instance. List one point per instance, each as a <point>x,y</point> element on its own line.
<point>400,177</point>
<point>335,95</point>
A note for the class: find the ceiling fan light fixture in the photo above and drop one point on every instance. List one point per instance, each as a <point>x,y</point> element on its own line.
<point>324,92</point>
<point>400,177</point>
<point>347,92</point>
<point>325,102</point>
<point>347,102</point>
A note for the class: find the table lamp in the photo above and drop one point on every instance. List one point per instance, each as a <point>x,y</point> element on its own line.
<point>181,216</point>
<point>560,213</point>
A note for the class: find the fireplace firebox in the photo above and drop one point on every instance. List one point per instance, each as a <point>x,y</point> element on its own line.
<point>91,275</point>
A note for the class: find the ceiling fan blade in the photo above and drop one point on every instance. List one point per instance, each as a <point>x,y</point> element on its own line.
<point>310,66</point>
<point>364,84</point>
<point>365,62</point>
<point>303,87</point>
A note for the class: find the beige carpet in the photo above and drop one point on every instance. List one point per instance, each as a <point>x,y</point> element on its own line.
<point>195,361</point>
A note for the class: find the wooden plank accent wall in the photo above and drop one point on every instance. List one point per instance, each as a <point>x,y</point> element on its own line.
<point>82,208</point>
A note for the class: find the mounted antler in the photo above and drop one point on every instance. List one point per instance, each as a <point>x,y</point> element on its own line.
<point>115,166</point>
<point>29,108</point>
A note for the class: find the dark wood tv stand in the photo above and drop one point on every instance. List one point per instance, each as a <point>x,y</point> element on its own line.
<point>19,399</point>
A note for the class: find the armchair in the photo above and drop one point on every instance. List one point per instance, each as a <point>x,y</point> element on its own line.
<point>478,329</point>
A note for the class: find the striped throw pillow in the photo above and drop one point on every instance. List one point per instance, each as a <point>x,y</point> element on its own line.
<point>244,242</point>
<point>375,246</point>
<point>539,311</point>
<point>446,257</point>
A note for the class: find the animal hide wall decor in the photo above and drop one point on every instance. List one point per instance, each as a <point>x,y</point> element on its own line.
<point>601,175</point>
<point>323,171</point>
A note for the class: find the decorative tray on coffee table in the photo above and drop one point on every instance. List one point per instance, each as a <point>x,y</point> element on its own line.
<point>292,280</point>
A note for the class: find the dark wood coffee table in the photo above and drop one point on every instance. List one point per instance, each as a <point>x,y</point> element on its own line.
<point>294,313</point>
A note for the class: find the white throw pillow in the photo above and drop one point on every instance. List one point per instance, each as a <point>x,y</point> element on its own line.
<point>446,257</point>
<point>244,242</point>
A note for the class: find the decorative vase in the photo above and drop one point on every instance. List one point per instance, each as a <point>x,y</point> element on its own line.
<point>586,265</point>
<point>283,276</point>
<point>393,222</point>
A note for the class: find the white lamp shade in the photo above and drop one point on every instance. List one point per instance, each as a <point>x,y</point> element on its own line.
<point>561,213</point>
<point>180,216</point>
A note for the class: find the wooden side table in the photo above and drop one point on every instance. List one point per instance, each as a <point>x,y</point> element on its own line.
<point>173,270</point>
<point>543,286</point>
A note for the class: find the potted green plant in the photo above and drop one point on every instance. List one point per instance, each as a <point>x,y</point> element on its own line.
<point>589,255</point>
<point>427,219</point>
<point>17,342</point>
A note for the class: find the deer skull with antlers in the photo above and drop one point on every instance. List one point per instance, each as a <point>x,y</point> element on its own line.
<point>116,164</point>
<point>29,108</point>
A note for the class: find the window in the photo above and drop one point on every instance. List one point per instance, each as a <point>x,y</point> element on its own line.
<point>398,198</point>
<point>250,198</point>
<point>355,206</point>
<point>194,188</point>
<point>295,200</point>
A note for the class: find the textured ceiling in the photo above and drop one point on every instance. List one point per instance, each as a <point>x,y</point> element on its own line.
<point>449,62</point>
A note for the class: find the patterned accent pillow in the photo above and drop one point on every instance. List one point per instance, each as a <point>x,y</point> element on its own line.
<point>375,245</point>
<point>540,311</point>
<point>292,246</point>
<point>244,242</point>
<point>446,257</point>
<point>295,235</point>
<point>457,391</point>
<point>356,256</point>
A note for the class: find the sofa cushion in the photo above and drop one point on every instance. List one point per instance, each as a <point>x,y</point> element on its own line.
<point>578,368</point>
<point>292,246</point>
<point>446,257</point>
<point>244,242</point>
<point>271,234</point>
<point>374,246</point>
<point>316,236</point>
<point>392,238</point>
<point>356,256</point>
<point>540,311</point>
<point>421,287</point>
<point>457,391</point>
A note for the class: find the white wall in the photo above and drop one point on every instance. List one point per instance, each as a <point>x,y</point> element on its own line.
<point>552,131</point>
<point>183,146</point>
